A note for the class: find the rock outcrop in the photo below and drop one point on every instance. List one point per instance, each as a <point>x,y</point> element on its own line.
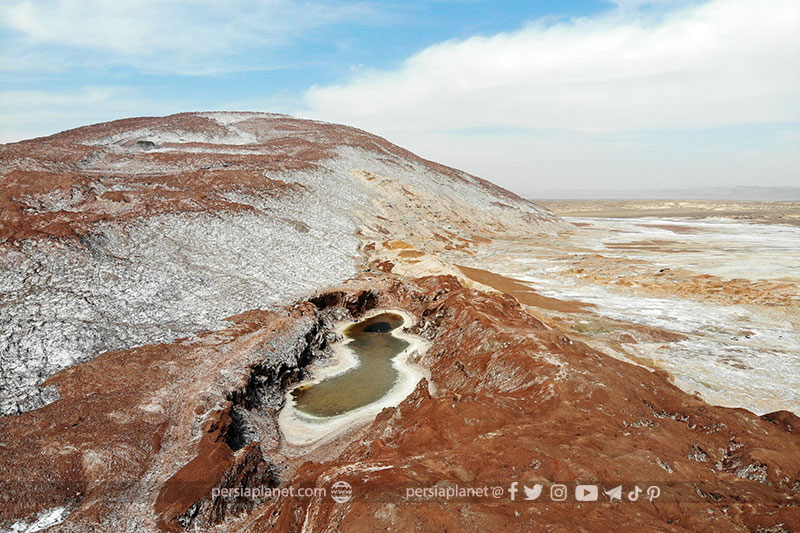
<point>145,230</point>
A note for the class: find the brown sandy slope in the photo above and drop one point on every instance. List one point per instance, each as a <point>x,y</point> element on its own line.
<point>522,292</point>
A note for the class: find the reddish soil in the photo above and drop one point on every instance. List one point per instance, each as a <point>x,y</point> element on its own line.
<point>71,170</point>
<point>515,400</point>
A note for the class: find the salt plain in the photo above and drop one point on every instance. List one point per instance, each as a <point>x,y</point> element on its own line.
<point>735,353</point>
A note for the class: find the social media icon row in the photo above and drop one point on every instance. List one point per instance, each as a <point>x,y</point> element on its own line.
<point>558,492</point>
<point>583,493</point>
<point>653,492</point>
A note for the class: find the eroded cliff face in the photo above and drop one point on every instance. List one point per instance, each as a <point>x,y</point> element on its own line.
<point>181,261</point>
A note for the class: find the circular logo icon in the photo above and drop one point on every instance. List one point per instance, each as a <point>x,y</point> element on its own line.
<point>341,492</point>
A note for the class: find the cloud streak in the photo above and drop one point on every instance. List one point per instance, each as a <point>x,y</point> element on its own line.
<point>181,36</point>
<point>725,62</point>
<point>555,99</point>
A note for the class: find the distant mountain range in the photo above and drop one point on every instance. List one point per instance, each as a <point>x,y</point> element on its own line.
<point>740,193</point>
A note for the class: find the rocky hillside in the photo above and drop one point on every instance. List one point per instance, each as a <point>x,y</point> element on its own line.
<point>146,230</point>
<point>195,266</point>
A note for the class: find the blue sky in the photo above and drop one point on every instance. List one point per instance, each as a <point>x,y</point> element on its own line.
<point>530,94</point>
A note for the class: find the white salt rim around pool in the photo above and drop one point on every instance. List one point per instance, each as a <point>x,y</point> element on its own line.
<point>302,430</point>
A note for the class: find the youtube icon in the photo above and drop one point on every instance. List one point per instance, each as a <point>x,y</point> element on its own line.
<point>586,493</point>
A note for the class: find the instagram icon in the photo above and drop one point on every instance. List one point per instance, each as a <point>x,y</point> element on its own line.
<point>558,493</point>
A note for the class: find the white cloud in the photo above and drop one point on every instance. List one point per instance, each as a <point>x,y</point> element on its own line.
<point>184,36</point>
<point>725,62</point>
<point>729,61</point>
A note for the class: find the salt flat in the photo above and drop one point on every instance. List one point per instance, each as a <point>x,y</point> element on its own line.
<point>729,288</point>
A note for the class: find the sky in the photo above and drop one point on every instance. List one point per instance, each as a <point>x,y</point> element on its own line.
<point>533,95</point>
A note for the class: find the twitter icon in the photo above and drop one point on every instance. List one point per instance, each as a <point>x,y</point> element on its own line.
<point>532,493</point>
